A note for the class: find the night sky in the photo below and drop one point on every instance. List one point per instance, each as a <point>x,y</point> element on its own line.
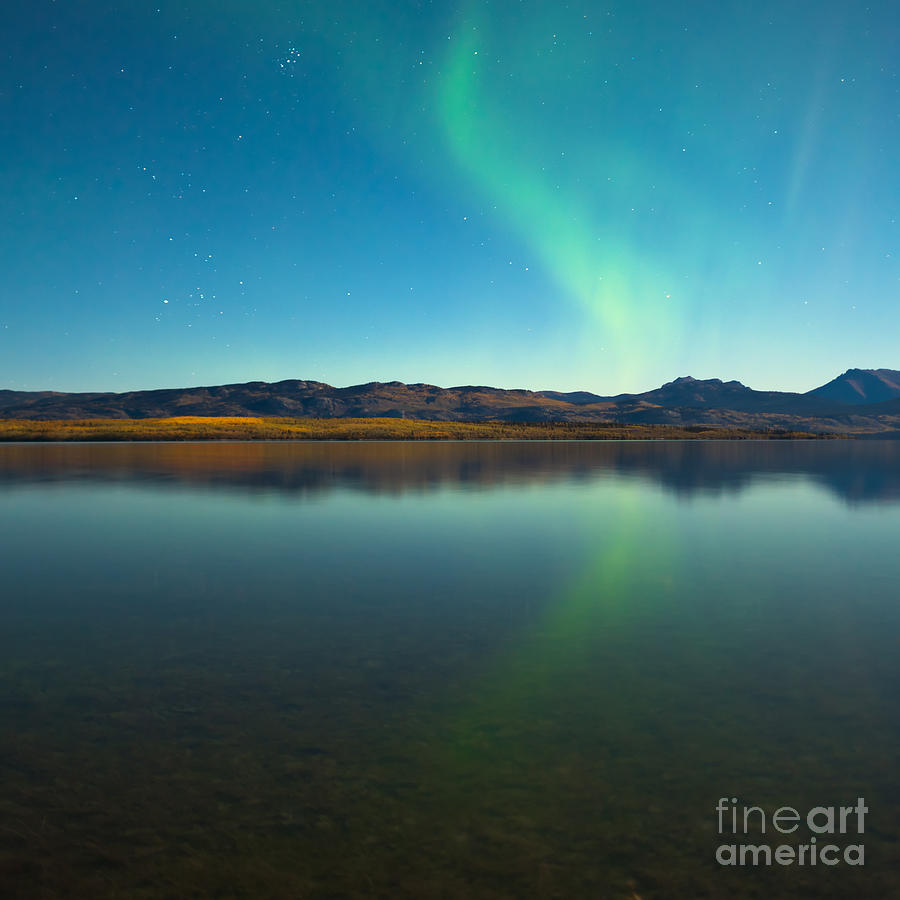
<point>522,194</point>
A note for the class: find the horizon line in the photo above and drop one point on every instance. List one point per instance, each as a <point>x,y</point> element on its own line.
<point>183,387</point>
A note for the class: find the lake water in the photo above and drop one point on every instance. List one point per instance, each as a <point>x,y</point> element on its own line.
<point>468,670</point>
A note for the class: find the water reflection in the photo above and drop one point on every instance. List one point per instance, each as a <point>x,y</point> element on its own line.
<point>469,670</point>
<point>856,471</point>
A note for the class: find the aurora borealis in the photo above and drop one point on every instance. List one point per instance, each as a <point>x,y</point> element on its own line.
<point>522,194</point>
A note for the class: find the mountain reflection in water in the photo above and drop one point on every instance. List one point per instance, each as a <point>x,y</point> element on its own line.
<point>856,471</point>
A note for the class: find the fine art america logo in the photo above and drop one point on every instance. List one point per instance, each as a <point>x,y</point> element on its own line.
<point>824,823</point>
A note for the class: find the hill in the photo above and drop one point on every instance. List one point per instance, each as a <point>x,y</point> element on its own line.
<point>861,386</point>
<point>686,401</point>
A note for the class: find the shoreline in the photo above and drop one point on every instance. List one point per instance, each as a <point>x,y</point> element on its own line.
<point>240,428</point>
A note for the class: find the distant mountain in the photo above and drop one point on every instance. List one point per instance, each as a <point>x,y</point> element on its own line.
<point>577,397</point>
<point>684,401</point>
<point>710,393</point>
<point>861,386</point>
<point>300,398</point>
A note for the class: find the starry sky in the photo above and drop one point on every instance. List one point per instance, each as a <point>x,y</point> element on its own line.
<point>520,193</point>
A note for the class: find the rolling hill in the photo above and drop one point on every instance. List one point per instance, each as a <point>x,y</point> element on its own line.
<point>861,386</point>
<point>860,401</point>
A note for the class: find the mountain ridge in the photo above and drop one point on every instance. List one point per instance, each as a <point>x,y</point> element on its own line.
<point>685,400</point>
<point>862,386</point>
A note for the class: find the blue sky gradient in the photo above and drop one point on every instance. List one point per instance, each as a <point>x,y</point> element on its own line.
<point>522,194</point>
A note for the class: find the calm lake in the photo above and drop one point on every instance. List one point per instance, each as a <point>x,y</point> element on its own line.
<point>462,670</point>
